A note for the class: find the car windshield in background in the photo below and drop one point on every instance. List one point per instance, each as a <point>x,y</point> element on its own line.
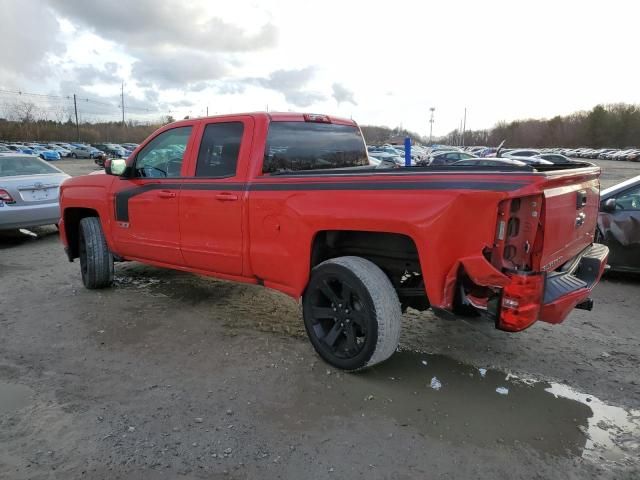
<point>295,146</point>
<point>14,166</point>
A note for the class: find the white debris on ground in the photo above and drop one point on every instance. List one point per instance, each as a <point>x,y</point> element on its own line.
<point>435,383</point>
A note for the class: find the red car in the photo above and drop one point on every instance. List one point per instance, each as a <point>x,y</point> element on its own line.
<point>289,201</point>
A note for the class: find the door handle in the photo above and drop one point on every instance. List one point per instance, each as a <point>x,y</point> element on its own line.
<point>166,194</point>
<point>226,197</point>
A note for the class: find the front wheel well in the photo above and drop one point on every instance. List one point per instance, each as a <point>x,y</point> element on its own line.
<point>72,217</point>
<point>394,253</point>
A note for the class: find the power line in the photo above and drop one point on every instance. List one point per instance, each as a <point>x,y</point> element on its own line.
<point>78,99</point>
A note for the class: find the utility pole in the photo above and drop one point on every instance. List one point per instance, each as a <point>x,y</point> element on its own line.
<point>75,107</point>
<point>464,125</point>
<point>122,103</point>
<point>207,110</point>
<point>431,126</point>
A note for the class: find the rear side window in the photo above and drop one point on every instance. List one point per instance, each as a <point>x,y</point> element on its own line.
<point>218,156</point>
<point>293,146</point>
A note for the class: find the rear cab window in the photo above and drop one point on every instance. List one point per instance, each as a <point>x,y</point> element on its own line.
<point>309,146</point>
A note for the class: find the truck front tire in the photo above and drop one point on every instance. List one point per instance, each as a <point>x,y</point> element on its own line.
<point>96,262</point>
<point>351,313</point>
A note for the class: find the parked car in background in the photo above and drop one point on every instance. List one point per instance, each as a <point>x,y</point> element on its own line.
<point>85,151</point>
<point>21,149</point>
<point>66,146</point>
<point>110,149</point>
<point>486,152</point>
<point>621,154</point>
<point>634,156</point>
<point>448,158</point>
<point>29,189</point>
<point>619,224</point>
<point>489,162</point>
<point>57,148</point>
<point>386,158</point>
<point>46,154</point>
<point>523,152</point>
<point>554,157</point>
<point>4,149</point>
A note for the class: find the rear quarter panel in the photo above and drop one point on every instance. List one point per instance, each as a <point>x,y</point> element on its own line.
<point>446,219</point>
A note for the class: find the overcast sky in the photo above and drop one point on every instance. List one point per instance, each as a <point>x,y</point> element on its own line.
<point>382,63</point>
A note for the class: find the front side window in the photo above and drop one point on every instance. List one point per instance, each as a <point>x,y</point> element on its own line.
<point>162,156</point>
<point>293,146</point>
<point>218,155</point>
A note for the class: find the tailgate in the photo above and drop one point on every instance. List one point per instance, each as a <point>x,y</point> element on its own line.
<point>569,215</point>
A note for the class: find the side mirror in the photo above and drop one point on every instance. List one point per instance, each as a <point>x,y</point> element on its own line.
<point>115,166</point>
<point>609,205</point>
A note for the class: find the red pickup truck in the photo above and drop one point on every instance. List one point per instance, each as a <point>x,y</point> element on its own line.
<point>290,201</point>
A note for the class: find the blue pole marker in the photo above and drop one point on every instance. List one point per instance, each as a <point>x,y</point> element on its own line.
<point>407,151</point>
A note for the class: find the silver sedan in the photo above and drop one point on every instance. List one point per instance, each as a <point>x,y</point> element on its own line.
<point>29,189</point>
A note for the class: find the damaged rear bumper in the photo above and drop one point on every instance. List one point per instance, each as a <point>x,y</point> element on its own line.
<point>571,286</point>
<point>550,296</point>
<point>521,298</point>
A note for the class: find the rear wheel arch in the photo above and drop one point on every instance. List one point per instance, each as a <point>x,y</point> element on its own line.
<point>396,254</point>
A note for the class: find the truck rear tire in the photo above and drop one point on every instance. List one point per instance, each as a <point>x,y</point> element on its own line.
<point>96,261</point>
<point>351,313</point>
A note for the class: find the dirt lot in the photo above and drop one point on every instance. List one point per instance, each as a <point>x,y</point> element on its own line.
<point>168,375</point>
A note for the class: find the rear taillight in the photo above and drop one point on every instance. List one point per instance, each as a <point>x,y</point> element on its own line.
<point>6,197</point>
<point>517,233</point>
<point>521,302</point>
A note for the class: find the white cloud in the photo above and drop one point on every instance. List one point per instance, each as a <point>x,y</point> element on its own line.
<point>501,60</point>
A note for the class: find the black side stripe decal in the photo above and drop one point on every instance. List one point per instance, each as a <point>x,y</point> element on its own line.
<point>122,198</point>
<point>416,185</point>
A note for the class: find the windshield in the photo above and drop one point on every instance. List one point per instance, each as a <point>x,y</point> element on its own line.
<point>14,166</point>
<point>293,146</point>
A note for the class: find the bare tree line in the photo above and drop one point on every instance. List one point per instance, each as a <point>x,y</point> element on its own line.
<point>376,135</point>
<point>26,121</point>
<point>615,125</point>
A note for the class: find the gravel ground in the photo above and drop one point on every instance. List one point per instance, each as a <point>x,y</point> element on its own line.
<point>170,375</point>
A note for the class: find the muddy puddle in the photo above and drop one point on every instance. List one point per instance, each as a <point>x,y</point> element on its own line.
<point>13,397</point>
<point>457,403</point>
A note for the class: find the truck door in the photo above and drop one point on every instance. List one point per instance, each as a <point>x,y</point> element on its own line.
<point>146,204</point>
<point>212,199</point>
